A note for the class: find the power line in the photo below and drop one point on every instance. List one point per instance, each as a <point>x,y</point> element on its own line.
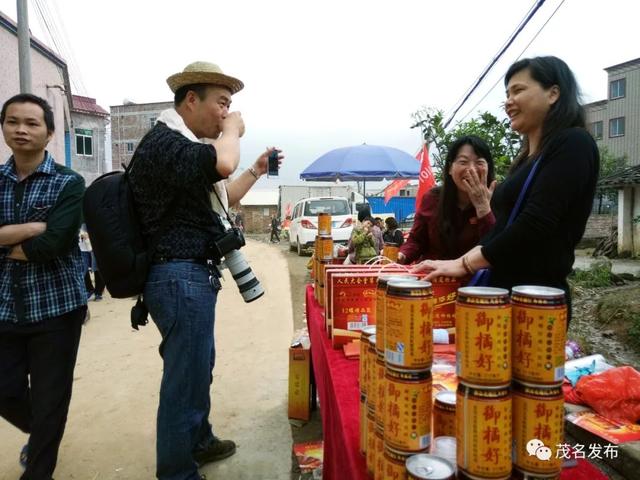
<point>503,45</point>
<point>495,59</point>
<point>49,24</point>
<point>516,59</point>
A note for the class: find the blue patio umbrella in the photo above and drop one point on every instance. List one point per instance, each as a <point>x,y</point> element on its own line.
<point>361,163</point>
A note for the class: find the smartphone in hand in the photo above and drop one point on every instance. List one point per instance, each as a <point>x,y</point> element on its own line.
<point>273,166</point>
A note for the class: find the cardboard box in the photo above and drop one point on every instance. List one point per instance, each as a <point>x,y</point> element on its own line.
<point>300,378</point>
<point>337,269</point>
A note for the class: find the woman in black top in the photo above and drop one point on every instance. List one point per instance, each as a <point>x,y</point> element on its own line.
<point>392,234</point>
<point>538,247</point>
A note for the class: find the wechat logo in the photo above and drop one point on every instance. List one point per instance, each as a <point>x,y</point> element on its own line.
<point>535,448</point>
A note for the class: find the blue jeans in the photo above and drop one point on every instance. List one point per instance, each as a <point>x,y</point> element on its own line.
<point>182,301</point>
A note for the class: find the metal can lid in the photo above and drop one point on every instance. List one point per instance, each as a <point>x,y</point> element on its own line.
<point>383,279</point>
<point>537,291</point>
<point>409,284</point>
<point>368,330</point>
<point>372,340</point>
<point>429,467</point>
<point>447,397</point>
<point>483,291</point>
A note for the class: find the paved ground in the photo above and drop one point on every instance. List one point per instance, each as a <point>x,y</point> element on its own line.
<point>111,428</point>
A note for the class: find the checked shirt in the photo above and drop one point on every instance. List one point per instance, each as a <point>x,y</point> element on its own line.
<point>51,282</point>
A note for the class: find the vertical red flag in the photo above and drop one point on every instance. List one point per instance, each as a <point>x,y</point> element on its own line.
<point>393,188</point>
<point>426,179</point>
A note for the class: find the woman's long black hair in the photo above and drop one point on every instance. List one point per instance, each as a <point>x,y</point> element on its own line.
<point>448,193</point>
<point>566,112</point>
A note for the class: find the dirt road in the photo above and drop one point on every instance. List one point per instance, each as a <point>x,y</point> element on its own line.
<point>111,428</point>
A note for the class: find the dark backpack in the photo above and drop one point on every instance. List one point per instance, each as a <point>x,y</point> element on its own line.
<point>116,237</point>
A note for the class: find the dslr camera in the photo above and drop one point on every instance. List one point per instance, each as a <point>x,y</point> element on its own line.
<point>228,247</point>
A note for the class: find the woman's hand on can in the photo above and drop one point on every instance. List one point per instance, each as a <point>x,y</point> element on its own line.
<point>440,268</point>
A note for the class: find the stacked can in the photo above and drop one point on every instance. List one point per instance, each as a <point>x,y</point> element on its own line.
<point>372,405</point>
<point>483,366</point>
<point>408,342</point>
<point>539,337</point>
<point>390,250</point>
<point>363,376</point>
<point>381,304</point>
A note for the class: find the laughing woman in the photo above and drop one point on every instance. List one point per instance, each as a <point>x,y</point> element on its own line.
<point>537,248</point>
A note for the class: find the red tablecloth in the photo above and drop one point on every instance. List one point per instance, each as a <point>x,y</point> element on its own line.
<point>337,382</point>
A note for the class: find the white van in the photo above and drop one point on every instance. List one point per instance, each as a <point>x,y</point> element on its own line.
<point>304,221</point>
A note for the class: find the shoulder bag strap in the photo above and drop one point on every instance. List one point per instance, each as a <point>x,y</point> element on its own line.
<point>525,187</point>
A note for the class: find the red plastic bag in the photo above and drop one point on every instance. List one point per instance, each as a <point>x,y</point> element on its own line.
<point>614,394</point>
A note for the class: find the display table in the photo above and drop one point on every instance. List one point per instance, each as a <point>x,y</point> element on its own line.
<point>337,383</point>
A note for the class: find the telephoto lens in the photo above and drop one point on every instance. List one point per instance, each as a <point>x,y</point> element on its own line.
<point>248,284</point>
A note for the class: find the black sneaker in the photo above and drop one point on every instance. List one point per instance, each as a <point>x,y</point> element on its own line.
<point>217,450</point>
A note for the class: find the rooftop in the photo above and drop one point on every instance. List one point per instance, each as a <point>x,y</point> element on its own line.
<point>260,197</point>
<point>628,63</point>
<point>624,178</point>
<point>87,105</point>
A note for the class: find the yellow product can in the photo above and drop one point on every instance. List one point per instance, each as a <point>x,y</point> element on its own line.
<point>483,336</point>
<point>324,247</point>
<point>371,441</point>
<point>408,327</point>
<point>539,334</point>
<point>483,431</point>
<point>364,346</point>
<point>390,250</point>
<point>538,427</point>
<point>407,416</point>
<point>395,463</point>
<point>381,386</point>
<point>381,297</point>
<point>378,473</point>
<point>371,372</point>
<point>324,224</point>
<point>444,414</point>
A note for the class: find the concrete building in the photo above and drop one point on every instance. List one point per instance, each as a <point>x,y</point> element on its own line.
<point>89,122</point>
<point>129,123</point>
<point>49,80</point>
<point>615,124</point>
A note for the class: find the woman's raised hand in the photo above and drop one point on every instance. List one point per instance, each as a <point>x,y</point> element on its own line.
<point>478,191</point>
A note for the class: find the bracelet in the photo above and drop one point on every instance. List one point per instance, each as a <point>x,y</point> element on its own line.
<point>253,172</point>
<point>467,266</point>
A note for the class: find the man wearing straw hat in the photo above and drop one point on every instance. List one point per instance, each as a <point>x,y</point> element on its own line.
<point>173,175</point>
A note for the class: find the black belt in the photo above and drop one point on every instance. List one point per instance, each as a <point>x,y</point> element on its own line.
<point>201,261</point>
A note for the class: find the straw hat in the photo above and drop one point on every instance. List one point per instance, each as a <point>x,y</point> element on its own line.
<point>203,72</point>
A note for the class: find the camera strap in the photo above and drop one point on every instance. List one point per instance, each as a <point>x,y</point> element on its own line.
<point>226,212</point>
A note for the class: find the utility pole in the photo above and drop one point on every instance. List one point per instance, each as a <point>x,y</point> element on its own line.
<point>24,47</point>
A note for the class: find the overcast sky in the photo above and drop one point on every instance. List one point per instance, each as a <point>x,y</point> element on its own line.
<point>332,73</point>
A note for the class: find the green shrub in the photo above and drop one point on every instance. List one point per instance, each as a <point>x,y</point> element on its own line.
<point>598,275</point>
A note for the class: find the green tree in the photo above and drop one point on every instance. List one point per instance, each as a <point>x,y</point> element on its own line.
<point>503,142</point>
<point>610,164</point>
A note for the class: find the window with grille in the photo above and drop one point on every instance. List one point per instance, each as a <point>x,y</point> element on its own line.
<point>616,127</point>
<point>84,142</point>
<point>618,88</point>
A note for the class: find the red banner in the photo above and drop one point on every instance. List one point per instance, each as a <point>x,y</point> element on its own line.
<point>426,178</point>
<point>393,188</point>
